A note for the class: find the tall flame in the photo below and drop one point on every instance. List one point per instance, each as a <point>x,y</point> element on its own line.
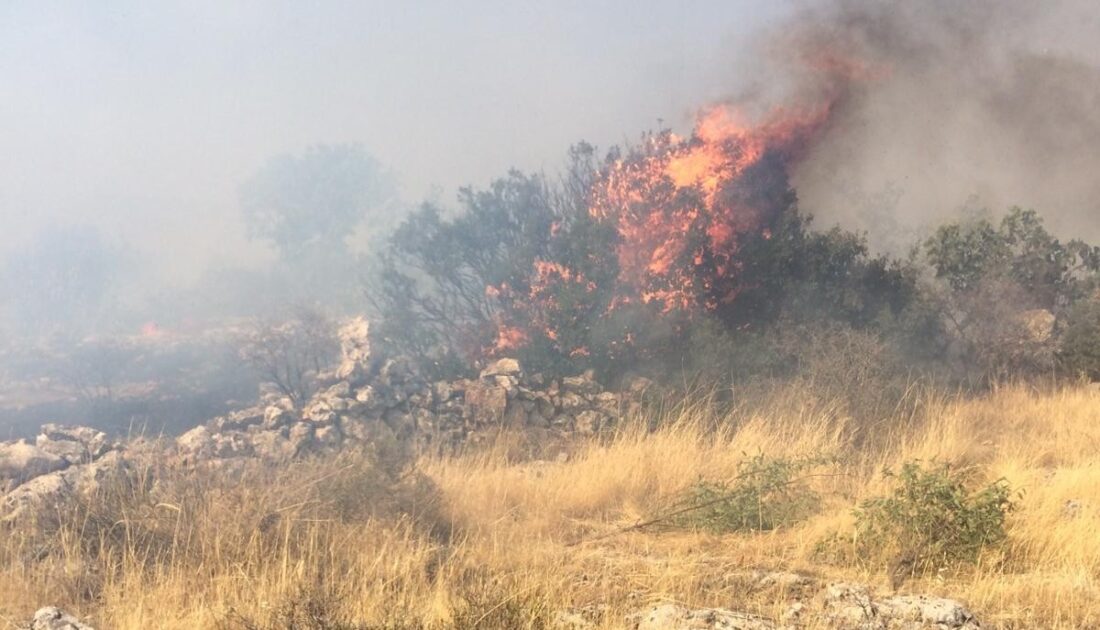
<point>678,189</point>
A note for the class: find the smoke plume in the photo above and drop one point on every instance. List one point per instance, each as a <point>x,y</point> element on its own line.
<point>940,108</point>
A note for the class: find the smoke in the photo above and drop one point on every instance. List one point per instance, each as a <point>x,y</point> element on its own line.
<point>940,109</point>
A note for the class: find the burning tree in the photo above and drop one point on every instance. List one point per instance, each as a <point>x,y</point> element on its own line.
<point>616,262</point>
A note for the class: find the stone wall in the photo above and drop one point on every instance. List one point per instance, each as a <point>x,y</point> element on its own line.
<point>367,398</point>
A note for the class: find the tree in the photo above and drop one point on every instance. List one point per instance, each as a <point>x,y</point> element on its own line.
<point>1001,287</point>
<point>289,355</point>
<point>315,200</point>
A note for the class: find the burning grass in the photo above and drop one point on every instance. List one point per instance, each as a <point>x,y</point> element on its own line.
<point>489,539</point>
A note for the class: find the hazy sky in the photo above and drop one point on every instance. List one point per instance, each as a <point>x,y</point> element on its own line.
<point>143,118</point>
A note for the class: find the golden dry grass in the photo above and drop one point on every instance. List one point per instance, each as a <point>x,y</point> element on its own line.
<point>495,539</point>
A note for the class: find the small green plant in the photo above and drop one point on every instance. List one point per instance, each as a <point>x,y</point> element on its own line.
<point>766,494</point>
<point>932,519</point>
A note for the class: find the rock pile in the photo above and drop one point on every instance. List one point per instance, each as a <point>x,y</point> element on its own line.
<point>366,398</point>
<point>63,461</point>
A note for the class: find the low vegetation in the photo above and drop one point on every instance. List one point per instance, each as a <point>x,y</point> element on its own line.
<point>490,538</point>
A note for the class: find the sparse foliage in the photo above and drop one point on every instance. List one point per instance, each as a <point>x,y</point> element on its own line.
<point>289,355</point>
<point>767,493</point>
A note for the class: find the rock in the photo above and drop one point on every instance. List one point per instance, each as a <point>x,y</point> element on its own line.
<point>49,489</point>
<point>354,350</point>
<point>572,402</point>
<point>502,367</point>
<point>607,402</point>
<point>20,462</point>
<point>276,417</point>
<point>794,613</point>
<point>71,452</point>
<point>319,412</point>
<point>584,384</point>
<point>935,612</point>
<point>93,441</point>
<point>197,443</point>
<point>272,445</point>
<point>589,422</point>
<point>486,403</point>
<point>25,499</point>
<point>52,618</point>
<point>300,436</point>
<point>851,606</point>
<point>328,437</point>
<point>509,384</point>
<point>674,617</point>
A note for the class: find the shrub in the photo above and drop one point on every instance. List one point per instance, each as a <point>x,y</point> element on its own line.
<point>1079,349</point>
<point>990,279</point>
<point>766,494</point>
<point>932,519</point>
<point>289,355</point>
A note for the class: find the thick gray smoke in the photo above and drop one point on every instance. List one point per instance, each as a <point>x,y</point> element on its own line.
<point>945,108</point>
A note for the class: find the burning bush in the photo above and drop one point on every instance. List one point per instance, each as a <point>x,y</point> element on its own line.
<point>615,264</point>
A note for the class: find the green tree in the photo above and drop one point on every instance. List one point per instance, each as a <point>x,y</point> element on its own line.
<point>315,200</point>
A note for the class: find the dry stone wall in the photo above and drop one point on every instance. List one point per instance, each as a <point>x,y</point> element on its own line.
<point>367,398</point>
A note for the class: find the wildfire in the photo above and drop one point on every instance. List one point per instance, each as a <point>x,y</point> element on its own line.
<point>682,206</point>
<point>681,209</point>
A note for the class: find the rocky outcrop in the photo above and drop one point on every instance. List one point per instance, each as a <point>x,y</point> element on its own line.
<point>853,607</point>
<point>367,398</point>
<point>21,462</point>
<point>63,462</point>
<point>52,618</point>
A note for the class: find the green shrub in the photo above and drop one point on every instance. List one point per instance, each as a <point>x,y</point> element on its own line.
<point>932,519</point>
<point>1079,348</point>
<point>767,493</point>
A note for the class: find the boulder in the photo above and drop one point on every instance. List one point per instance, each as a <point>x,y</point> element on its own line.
<point>69,439</point>
<point>486,403</point>
<point>49,489</point>
<point>52,618</point>
<point>20,462</point>
<point>197,443</point>
<point>674,617</point>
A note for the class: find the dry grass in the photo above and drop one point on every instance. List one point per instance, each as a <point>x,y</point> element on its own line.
<point>489,540</point>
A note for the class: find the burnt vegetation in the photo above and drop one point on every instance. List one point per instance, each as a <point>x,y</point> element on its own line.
<point>536,268</point>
